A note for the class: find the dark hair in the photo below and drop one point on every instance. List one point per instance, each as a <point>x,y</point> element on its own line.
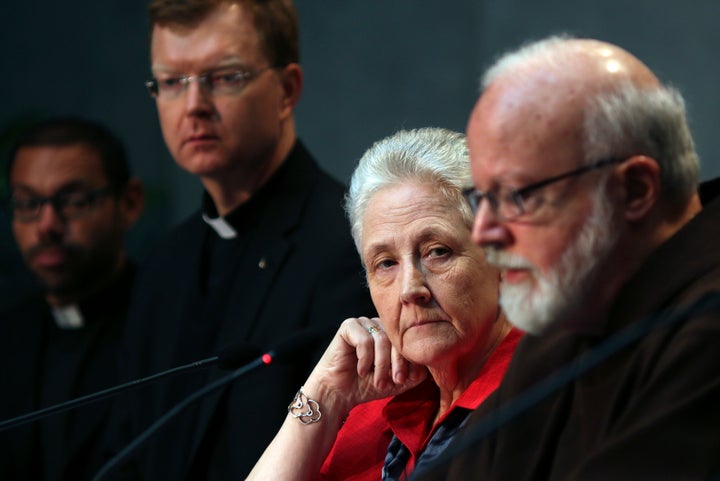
<point>72,130</point>
<point>276,22</point>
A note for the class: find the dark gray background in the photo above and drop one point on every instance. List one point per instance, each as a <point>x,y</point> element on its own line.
<point>372,67</point>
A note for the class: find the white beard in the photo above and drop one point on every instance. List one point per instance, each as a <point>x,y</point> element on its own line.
<point>561,294</point>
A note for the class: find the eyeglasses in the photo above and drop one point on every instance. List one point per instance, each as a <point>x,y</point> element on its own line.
<point>218,82</point>
<point>69,205</point>
<point>508,203</point>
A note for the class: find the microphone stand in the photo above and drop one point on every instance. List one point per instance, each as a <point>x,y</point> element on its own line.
<point>97,396</point>
<point>282,352</point>
<point>175,410</point>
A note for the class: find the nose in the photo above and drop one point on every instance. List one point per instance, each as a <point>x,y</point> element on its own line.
<point>50,224</point>
<point>487,229</point>
<point>414,289</point>
<point>198,98</point>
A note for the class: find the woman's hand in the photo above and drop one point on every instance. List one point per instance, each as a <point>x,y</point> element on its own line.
<point>360,365</point>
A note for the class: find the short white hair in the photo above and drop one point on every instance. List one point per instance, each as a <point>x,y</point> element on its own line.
<point>430,155</point>
<point>652,122</point>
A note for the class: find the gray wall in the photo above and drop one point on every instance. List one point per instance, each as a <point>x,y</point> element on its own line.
<point>372,67</point>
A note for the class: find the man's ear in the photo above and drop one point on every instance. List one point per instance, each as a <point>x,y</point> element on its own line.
<point>291,77</point>
<point>640,179</point>
<point>132,202</point>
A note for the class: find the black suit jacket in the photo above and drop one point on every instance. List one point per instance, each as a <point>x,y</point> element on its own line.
<point>298,268</point>
<point>42,365</point>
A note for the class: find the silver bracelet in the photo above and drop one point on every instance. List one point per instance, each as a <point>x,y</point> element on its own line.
<point>306,410</point>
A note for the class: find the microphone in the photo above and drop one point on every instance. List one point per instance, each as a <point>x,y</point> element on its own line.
<point>230,357</point>
<point>235,355</point>
<point>282,352</point>
<point>570,372</point>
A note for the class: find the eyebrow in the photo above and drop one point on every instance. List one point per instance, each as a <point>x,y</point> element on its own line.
<point>71,186</point>
<point>374,249</point>
<point>426,234</point>
<point>513,177</point>
<point>228,62</point>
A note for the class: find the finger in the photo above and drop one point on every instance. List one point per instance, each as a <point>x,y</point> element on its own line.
<point>405,373</point>
<point>417,373</point>
<point>382,377</point>
<point>374,325</point>
<point>400,367</point>
<point>384,357</point>
<point>358,336</point>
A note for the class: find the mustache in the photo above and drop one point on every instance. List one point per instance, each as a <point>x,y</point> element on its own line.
<point>36,250</point>
<point>505,260</point>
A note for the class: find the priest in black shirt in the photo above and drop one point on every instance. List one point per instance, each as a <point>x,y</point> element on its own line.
<point>269,252</point>
<point>72,200</point>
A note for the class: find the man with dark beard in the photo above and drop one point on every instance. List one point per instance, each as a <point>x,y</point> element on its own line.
<point>71,201</point>
<point>586,197</point>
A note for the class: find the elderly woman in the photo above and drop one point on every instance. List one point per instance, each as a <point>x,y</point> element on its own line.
<point>390,393</point>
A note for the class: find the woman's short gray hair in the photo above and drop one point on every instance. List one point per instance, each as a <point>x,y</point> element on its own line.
<point>430,155</point>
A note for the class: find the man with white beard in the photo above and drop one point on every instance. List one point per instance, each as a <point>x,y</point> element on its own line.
<point>586,196</point>
<point>561,288</point>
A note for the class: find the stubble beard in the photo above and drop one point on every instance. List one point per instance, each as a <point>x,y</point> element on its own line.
<point>83,272</point>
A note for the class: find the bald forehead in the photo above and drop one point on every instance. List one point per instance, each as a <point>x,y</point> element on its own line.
<point>563,69</point>
<point>606,63</point>
<point>527,116</point>
<point>536,98</point>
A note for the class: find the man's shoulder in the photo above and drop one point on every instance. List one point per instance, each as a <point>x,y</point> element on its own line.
<point>21,322</point>
<point>22,305</point>
<point>183,235</point>
<point>679,270</point>
<point>316,196</point>
<point>316,178</point>
<point>539,356</point>
<point>710,191</point>
<point>168,259</point>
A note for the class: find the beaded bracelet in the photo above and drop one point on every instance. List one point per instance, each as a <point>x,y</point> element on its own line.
<point>306,410</point>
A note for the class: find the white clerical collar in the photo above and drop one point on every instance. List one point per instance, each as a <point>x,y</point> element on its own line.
<point>68,317</point>
<point>221,226</point>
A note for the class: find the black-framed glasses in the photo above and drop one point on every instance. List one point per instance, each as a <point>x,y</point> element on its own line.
<point>226,81</point>
<point>508,203</point>
<point>69,205</point>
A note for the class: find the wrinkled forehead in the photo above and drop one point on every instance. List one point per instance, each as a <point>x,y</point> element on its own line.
<point>409,212</point>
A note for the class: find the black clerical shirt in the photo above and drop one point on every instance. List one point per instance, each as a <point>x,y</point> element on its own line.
<point>45,362</point>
